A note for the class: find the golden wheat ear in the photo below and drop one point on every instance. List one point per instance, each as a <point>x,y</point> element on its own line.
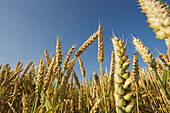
<point>83,72</point>
<point>86,44</point>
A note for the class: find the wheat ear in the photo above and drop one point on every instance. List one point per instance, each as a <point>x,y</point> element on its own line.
<point>59,53</point>
<point>122,94</point>
<point>158,15</point>
<point>111,74</point>
<point>39,77</point>
<point>82,67</point>
<point>86,44</point>
<point>47,57</point>
<point>100,44</point>
<point>76,79</point>
<point>148,59</point>
<point>67,59</point>
<point>49,73</point>
<point>135,73</point>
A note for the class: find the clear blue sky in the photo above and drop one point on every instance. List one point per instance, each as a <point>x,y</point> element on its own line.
<point>27,27</point>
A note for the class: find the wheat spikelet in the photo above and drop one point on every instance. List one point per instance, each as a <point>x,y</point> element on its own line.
<point>81,67</point>
<point>158,15</point>
<point>122,84</point>
<point>86,44</point>
<point>100,44</point>
<point>49,73</point>
<point>47,57</point>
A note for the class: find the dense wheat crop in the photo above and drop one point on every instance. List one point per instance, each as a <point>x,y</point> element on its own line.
<point>53,85</point>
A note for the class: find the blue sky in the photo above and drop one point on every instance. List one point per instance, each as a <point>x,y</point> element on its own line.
<point>27,27</point>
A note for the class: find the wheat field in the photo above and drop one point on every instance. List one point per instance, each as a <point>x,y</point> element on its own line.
<point>52,86</point>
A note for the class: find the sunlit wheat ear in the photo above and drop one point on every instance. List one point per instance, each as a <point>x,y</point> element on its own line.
<point>49,73</point>
<point>67,58</point>
<point>86,44</point>
<point>158,15</point>
<point>82,68</point>
<point>122,94</point>
<point>26,68</point>
<point>135,70</point>
<point>112,66</point>
<point>145,53</point>
<point>39,77</point>
<point>100,44</point>
<point>47,57</point>
<point>17,66</point>
<point>59,53</point>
